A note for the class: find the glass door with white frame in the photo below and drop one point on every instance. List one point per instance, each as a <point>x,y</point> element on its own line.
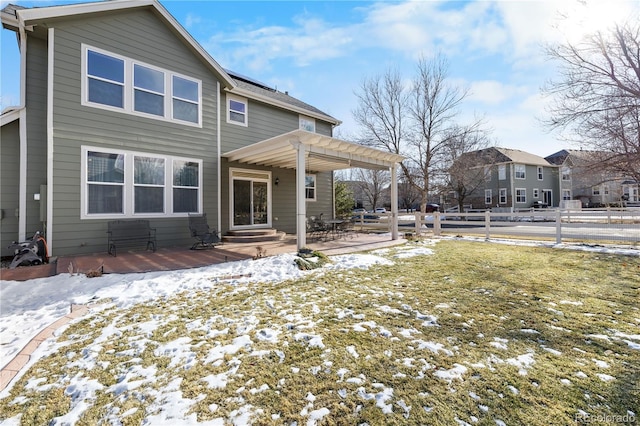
<point>250,199</point>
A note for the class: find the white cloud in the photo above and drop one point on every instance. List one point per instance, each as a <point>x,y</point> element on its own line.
<point>494,92</point>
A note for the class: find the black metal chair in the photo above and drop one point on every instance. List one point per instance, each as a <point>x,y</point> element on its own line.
<point>205,236</point>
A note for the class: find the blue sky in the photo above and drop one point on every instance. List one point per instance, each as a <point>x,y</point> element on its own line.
<point>320,51</point>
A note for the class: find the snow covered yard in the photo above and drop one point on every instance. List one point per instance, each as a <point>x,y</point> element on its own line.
<point>453,332</point>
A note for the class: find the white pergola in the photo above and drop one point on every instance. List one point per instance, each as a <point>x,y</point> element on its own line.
<point>301,150</point>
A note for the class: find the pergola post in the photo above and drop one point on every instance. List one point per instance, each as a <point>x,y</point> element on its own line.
<point>301,200</point>
<point>394,201</point>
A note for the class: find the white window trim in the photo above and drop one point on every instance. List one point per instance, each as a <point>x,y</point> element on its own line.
<point>524,171</point>
<point>240,99</point>
<point>129,185</point>
<point>487,173</point>
<point>502,198</point>
<point>312,121</point>
<point>565,172</point>
<point>502,172</point>
<point>566,194</point>
<point>129,89</point>
<point>315,188</point>
<point>536,193</point>
<point>595,190</point>
<point>488,196</point>
<point>540,172</point>
<point>524,197</point>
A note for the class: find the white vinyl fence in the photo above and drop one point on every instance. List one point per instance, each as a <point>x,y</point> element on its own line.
<point>610,225</point>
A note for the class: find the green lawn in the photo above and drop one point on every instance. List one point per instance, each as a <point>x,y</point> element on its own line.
<point>475,332</point>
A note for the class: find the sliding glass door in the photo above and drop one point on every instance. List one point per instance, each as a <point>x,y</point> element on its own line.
<point>250,199</point>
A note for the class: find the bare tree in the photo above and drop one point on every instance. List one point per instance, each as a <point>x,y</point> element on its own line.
<point>415,121</point>
<point>467,162</point>
<point>597,95</point>
<point>372,183</point>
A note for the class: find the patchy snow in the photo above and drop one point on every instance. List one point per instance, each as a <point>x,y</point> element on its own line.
<point>28,307</point>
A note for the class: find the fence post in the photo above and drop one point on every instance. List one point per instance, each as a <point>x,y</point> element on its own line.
<point>609,215</point>
<point>418,224</point>
<point>436,224</point>
<point>558,227</point>
<point>487,224</point>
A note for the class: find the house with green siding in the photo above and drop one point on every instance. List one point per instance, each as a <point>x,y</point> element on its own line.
<point>124,115</point>
<point>511,178</point>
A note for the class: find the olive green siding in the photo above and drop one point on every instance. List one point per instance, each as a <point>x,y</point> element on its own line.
<point>9,184</point>
<point>263,122</point>
<point>510,183</point>
<point>75,125</point>
<point>36,119</point>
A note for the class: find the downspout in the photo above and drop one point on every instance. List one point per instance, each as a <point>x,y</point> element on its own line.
<point>22,179</point>
<point>50,69</point>
<point>219,165</point>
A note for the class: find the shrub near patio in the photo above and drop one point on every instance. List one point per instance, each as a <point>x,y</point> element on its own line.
<point>437,333</point>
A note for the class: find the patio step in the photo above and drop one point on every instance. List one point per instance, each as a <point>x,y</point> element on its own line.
<point>253,236</point>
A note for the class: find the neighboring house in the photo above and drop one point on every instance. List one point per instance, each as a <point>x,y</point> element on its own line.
<point>508,178</point>
<point>582,179</point>
<point>124,115</point>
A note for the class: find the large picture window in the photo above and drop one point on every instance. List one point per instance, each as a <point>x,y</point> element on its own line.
<point>132,184</point>
<point>122,84</point>
<point>520,171</point>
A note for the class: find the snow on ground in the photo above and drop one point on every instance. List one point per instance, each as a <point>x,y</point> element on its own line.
<point>28,307</point>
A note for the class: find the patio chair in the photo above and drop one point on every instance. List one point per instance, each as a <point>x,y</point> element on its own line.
<point>346,229</point>
<point>205,236</point>
<point>317,228</point>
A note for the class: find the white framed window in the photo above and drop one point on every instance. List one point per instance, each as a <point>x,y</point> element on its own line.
<point>310,187</point>
<point>502,172</point>
<point>123,184</point>
<point>308,124</point>
<point>521,195</point>
<point>502,196</point>
<point>520,171</point>
<point>605,189</point>
<point>186,185</point>
<point>121,84</point>
<point>536,193</point>
<point>237,110</point>
<point>566,173</point>
<point>566,194</point>
<point>540,173</point>
<point>149,184</point>
<point>488,197</point>
<point>487,173</point>
<point>595,190</point>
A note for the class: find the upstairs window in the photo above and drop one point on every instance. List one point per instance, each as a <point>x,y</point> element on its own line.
<point>148,90</point>
<point>186,99</point>
<point>488,197</point>
<point>540,173</point>
<point>237,110</point>
<point>105,77</point>
<point>520,171</point>
<point>308,124</point>
<point>566,173</point>
<point>122,84</point>
<point>502,172</point>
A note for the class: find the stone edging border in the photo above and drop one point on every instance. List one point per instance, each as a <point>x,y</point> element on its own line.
<point>14,366</point>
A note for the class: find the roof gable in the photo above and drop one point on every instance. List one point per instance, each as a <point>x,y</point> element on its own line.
<point>34,16</point>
